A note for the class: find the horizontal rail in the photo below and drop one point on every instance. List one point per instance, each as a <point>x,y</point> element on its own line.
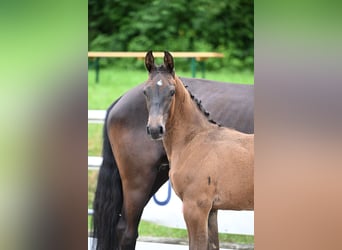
<point>126,54</point>
<point>94,162</point>
<point>96,116</point>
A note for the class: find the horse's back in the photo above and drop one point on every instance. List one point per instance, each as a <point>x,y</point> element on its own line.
<point>130,109</point>
<point>220,144</point>
<point>229,104</point>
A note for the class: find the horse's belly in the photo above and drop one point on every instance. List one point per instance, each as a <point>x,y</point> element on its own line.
<point>229,199</point>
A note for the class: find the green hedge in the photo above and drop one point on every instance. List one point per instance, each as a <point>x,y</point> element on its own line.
<point>182,25</point>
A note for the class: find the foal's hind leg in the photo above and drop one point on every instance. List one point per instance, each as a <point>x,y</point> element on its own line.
<point>213,230</point>
<point>196,214</point>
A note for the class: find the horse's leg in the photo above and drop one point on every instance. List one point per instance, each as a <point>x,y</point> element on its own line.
<point>136,193</point>
<point>138,175</point>
<point>134,203</point>
<point>213,230</point>
<point>196,214</point>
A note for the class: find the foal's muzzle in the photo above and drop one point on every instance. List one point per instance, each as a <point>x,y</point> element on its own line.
<point>156,132</point>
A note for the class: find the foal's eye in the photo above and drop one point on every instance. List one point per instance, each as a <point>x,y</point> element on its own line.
<point>172,92</point>
<point>144,92</point>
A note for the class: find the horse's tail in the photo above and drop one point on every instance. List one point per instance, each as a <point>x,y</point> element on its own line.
<point>108,197</point>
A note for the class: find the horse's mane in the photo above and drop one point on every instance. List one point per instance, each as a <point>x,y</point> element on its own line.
<point>200,106</point>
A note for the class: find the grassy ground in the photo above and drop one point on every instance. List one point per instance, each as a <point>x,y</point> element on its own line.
<point>113,83</point>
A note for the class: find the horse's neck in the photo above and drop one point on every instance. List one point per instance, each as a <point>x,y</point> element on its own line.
<point>184,122</point>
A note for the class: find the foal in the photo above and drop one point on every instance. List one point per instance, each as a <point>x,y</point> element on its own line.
<point>211,167</point>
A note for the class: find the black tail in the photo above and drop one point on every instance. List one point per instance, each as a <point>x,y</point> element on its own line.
<point>108,197</point>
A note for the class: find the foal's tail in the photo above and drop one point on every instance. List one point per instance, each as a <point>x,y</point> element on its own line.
<point>108,197</point>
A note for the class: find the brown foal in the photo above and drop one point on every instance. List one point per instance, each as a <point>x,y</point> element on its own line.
<point>211,167</point>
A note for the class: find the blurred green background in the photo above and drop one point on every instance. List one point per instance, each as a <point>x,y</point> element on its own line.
<point>182,25</point>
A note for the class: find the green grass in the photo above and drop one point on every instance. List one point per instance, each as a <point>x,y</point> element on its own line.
<point>113,83</point>
<point>150,229</point>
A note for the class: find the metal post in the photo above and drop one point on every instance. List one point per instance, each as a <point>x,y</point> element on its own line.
<point>97,69</point>
<point>202,63</point>
<point>193,67</point>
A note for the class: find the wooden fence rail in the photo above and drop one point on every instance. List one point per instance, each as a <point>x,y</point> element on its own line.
<point>195,57</point>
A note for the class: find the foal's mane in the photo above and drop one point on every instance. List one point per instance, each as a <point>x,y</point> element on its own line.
<point>200,105</point>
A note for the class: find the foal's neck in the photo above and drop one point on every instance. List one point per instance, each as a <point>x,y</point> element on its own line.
<point>185,120</point>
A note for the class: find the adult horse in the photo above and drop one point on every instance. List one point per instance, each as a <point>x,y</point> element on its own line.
<point>211,167</point>
<point>134,167</point>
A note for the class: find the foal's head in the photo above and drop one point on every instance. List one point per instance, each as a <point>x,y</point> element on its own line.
<point>159,91</point>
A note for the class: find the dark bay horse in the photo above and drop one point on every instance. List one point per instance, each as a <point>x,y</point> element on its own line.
<point>134,166</point>
<point>211,167</point>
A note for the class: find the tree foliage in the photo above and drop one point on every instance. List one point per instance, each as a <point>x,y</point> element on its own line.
<point>182,25</point>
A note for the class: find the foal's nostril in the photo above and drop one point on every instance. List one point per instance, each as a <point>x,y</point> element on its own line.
<point>161,130</point>
<point>155,131</point>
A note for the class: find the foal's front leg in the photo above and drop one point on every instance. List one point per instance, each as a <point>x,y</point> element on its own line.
<point>196,215</point>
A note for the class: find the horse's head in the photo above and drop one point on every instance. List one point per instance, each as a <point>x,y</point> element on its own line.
<point>159,91</point>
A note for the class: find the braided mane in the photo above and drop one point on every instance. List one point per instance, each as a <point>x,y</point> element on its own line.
<point>200,106</point>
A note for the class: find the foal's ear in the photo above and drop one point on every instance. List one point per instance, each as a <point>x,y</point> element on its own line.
<point>168,61</point>
<point>149,61</point>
